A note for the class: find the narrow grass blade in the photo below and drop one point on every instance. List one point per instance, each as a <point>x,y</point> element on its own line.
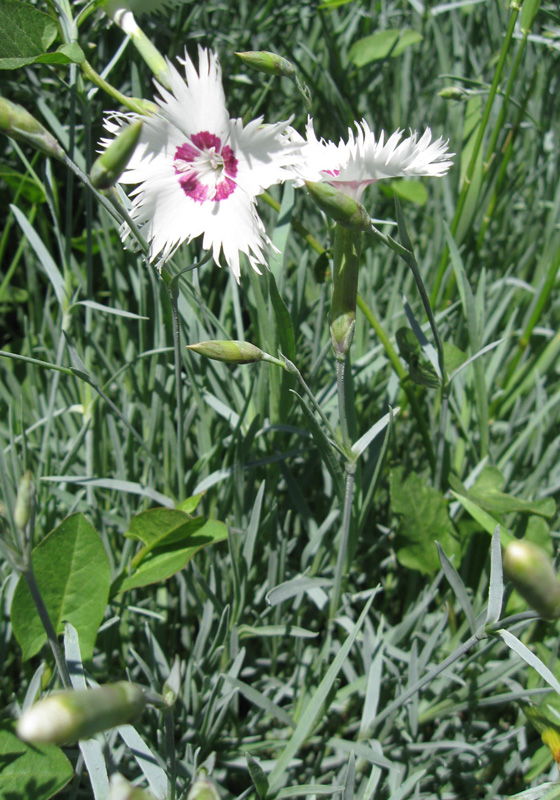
<point>458,587</point>
<point>530,658</point>
<point>496,589</point>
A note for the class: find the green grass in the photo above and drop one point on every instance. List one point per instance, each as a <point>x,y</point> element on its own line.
<point>261,668</point>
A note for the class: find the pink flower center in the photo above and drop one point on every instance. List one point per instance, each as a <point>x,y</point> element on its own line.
<point>205,169</point>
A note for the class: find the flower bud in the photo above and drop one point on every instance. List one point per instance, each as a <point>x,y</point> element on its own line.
<point>453,93</point>
<point>71,715</point>
<point>18,123</point>
<point>533,575</point>
<point>111,164</point>
<point>341,207</point>
<point>232,352</point>
<point>121,789</point>
<point>24,501</point>
<point>269,63</point>
<point>203,789</point>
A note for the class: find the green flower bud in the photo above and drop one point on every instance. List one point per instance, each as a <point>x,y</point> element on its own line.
<point>24,501</point>
<point>269,63</point>
<point>232,352</point>
<point>18,123</point>
<point>111,164</point>
<point>203,789</point>
<point>533,575</point>
<point>453,93</point>
<point>341,207</point>
<point>71,715</point>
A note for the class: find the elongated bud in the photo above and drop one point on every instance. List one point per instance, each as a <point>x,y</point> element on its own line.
<point>25,500</point>
<point>454,93</point>
<point>203,789</point>
<point>111,164</point>
<point>231,352</point>
<point>18,123</point>
<point>121,789</point>
<point>269,63</point>
<point>533,575</point>
<point>69,716</point>
<point>339,206</point>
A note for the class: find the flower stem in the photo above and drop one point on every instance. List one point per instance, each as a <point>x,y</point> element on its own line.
<point>173,291</point>
<point>37,598</point>
<point>139,106</point>
<point>344,539</point>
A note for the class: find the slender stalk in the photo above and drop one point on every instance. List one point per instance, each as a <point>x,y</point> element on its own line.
<point>62,667</point>
<point>402,374</point>
<point>173,291</point>
<point>341,368</point>
<point>344,539</point>
<point>139,106</point>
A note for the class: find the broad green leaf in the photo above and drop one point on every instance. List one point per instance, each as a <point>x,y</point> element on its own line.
<point>380,45</point>
<point>73,575</point>
<point>486,493</point>
<point>25,33</point>
<point>190,503</point>
<point>35,771</point>
<point>411,190</point>
<point>453,357</point>
<point>152,526</point>
<point>171,540</point>
<point>420,369</point>
<point>424,519</point>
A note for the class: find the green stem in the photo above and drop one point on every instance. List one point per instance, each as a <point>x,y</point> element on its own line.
<point>62,667</point>
<point>139,106</point>
<point>404,380</point>
<point>344,538</point>
<point>476,150</point>
<point>173,291</point>
<point>346,262</point>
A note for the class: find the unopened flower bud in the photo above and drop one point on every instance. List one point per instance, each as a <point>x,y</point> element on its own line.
<point>203,789</point>
<point>24,501</point>
<point>339,206</point>
<point>453,93</point>
<point>121,789</point>
<point>232,352</point>
<point>269,63</point>
<point>533,575</point>
<point>18,123</point>
<point>71,715</point>
<point>111,164</point>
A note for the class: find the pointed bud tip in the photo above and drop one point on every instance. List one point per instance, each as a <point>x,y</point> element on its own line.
<point>111,164</point>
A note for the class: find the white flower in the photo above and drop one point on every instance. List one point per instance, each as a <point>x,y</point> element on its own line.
<point>351,166</point>
<point>199,172</point>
